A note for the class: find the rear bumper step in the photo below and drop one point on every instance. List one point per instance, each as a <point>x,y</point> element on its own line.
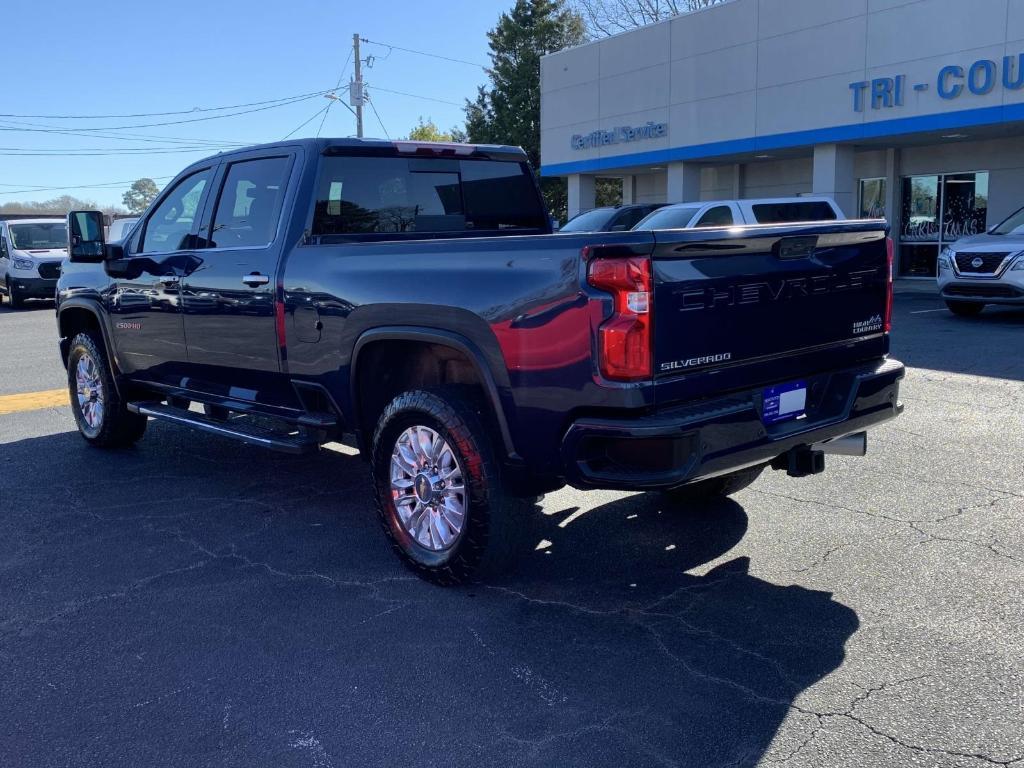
<point>244,432</point>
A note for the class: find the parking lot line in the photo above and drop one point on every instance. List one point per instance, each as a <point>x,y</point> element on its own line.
<point>33,401</point>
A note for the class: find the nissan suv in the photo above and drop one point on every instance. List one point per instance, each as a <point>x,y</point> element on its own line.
<point>984,269</point>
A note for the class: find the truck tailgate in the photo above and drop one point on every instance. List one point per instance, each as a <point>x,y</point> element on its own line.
<point>766,305</point>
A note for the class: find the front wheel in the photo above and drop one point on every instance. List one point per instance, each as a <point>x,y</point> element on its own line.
<point>101,415</point>
<point>14,296</point>
<point>715,487</point>
<point>965,308</point>
<point>438,487</point>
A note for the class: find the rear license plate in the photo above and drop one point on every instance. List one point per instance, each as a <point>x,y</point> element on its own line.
<point>786,401</point>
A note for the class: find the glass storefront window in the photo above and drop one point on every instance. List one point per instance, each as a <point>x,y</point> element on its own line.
<point>965,205</point>
<point>872,199</point>
<point>936,210</point>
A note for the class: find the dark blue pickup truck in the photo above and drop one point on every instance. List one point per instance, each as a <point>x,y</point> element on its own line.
<point>413,295</point>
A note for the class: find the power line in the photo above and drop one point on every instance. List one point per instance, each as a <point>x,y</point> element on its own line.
<point>374,108</point>
<point>337,85</point>
<point>31,190</point>
<point>179,122</point>
<point>324,118</point>
<point>109,153</point>
<point>166,114</point>
<point>414,95</point>
<point>425,53</point>
<point>307,122</point>
<point>75,151</point>
<point>14,126</point>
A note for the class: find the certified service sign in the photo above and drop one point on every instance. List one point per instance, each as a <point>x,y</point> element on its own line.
<point>620,135</point>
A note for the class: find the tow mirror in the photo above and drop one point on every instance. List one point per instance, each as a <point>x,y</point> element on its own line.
<point>85,236</point>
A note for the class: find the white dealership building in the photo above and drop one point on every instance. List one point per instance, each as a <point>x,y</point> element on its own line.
<point>908,109</point>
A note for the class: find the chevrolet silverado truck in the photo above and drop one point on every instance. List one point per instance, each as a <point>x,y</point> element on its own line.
<point>413,297</point>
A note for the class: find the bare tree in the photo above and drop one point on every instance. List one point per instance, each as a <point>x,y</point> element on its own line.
<point>608,17</point>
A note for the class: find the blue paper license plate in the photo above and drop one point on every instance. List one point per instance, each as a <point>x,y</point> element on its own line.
<point>786,401</point>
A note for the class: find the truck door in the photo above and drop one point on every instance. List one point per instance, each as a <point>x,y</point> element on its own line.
<point>145,297</point>
<point>229,297</point>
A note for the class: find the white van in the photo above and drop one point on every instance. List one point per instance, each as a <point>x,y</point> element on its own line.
<point>31,253</point>
<point>728,213</point>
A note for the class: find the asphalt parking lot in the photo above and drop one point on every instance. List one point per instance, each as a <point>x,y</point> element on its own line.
<point>194,602</point>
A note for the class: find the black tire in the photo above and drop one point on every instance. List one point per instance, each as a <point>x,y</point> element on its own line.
<point>16,299</point>
<point>965,308</point>
<point>485,545</point>
<point>113,426</point>
<point>715,487</point>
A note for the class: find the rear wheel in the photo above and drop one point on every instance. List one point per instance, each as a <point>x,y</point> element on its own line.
<point>438,488</point>
<point>101,415</point>
<point>965,308</point>
<point>715,487</point>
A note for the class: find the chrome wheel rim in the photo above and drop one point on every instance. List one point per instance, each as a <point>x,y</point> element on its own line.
<point>428,488</point>
<point>89,390</point>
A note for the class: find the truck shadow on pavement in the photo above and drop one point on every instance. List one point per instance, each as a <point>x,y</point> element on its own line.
<point>192,601</point>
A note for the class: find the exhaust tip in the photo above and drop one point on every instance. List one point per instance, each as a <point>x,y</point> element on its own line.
<point>850,445</point>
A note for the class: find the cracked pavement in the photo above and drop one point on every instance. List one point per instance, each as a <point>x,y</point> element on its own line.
<point>194,602</point>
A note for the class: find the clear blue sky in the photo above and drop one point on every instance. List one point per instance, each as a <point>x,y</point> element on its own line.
<point>68,57</point>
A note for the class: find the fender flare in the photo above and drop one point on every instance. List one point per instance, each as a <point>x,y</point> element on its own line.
<point>94,307</point>
<point>443,338</point>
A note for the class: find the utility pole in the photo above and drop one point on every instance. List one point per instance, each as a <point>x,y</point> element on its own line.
<point>355,95</point>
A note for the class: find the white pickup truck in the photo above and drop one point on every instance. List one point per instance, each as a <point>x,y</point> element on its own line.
<point>984,269</point>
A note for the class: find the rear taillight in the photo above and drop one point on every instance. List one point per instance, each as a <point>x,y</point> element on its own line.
<point>624,339</point>
<point>888,285</point>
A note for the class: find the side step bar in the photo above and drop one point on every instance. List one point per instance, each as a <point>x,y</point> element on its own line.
<point>244,432</point>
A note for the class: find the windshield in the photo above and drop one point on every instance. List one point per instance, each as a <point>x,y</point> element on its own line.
<point>36,237</point>
<point>591,221</point>
<point>1012,226</point>
<point>668,218</point>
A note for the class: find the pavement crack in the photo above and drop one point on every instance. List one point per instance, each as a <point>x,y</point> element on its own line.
<point>77,605</point>
<point>824,558</point>
<point>850,714</point>
<point>914,525</point>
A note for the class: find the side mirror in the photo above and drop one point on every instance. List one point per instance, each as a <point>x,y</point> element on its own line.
<point>85,236</point>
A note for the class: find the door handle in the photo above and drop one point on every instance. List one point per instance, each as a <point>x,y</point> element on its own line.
<point>254,279</point>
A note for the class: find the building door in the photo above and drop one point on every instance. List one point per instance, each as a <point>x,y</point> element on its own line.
<point>938,210</point>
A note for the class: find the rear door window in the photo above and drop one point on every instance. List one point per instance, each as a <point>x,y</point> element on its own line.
<point>250,203</point>
<point>629,218</point>
<point>782,213</point>
<point>410,196</point>
<point>719,216</point>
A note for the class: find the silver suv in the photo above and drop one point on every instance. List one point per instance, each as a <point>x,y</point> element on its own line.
<point>984,269</point>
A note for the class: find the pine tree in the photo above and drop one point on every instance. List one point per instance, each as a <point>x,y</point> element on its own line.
<point>507,110</point>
